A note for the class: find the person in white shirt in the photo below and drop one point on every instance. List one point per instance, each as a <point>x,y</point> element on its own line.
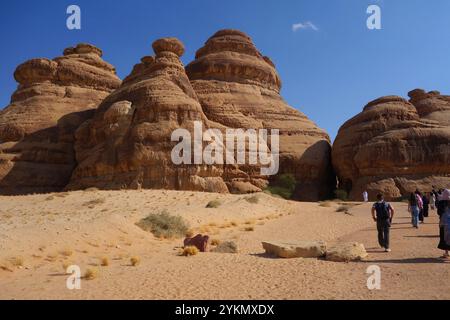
<point>366,196</point>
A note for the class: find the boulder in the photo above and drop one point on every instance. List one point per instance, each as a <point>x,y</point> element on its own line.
<point>346,252</point>
<point>53,99</point>
<point>226,247</point>
<point>297,249</point>
<point>199,241</point>
<point>395,146</point>
<point>238,87</point>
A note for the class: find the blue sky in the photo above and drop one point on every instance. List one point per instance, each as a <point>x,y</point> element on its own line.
<point>330,69</point>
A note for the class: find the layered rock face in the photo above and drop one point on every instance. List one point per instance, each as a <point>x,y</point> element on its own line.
<point>128,143</point>
<point>37,129</point>
<point>239,88</point>
<point>395,146</point>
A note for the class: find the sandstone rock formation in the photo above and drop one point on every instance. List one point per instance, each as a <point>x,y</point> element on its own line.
<point>395,146</point>
<point>239,88</point>
<point>298,249</point>
<point>128,143</point>
<point>36,130</point>
<point>346,252</point>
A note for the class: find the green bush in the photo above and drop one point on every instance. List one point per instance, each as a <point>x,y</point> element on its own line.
<point>284,186</point>
<point>278,191</point>
<point>164,225</point>
<point>341,194</point>
<point>287,181</point>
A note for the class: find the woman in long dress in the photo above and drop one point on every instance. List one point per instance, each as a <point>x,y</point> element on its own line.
<point>444,223</point>
<point>413,208</point>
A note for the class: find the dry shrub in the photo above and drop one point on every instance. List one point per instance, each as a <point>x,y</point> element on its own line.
<point>91,204</point>
<point>343,209</point>
<point>91,190</point>
<point>90,274</point>
<point>164,225</point>
<point>253,199</point>
<point>234,223</point>
<point>215,242</point>
<point>104,261</point>
<point>249,229</point>
<point>213,204</point>
<point>190,251</point>
<point>135,261</point>
<point>49,198</point>
<point>66,265</point>
<point>66,252</point>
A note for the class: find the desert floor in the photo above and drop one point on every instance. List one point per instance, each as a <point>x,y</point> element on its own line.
<point>40,234</point>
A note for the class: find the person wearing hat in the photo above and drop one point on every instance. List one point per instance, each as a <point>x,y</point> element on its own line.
<point>444,223</point>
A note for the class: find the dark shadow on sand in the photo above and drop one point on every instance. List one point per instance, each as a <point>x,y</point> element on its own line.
<point>422,236</point>
<point>408,260</point>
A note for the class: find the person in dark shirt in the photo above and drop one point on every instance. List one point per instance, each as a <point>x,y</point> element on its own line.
<point>382,214</point>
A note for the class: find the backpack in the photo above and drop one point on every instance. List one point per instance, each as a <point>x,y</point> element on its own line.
<point>382,209</point>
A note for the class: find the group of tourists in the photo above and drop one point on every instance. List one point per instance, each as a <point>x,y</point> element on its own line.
<point>419,205</point>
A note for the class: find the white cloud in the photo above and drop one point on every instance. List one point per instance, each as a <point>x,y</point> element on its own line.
<point>304,26</point>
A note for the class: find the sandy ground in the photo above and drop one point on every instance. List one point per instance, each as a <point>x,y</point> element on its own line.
<point>44,232</point>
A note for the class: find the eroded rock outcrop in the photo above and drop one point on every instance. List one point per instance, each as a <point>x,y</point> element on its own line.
<point>239,88</point>
<point>128,143</point>
<point>37,129</point>
<point>395,146</point>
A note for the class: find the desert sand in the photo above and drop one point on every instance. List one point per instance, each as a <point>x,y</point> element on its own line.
<point>41,233</point>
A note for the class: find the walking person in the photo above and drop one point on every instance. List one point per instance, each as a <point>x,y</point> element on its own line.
<point>432,201</point>
<point>444,223</point>
<point>420,204</point>
<point>366,196</point>
<point>426,206</point>
<point>413,208</point>
<point>382,214</point>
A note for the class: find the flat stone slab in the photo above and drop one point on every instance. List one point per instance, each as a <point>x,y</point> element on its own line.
<point>297,249</point>
<point>346,252</point>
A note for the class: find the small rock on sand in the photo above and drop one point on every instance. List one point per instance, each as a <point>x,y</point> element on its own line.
<point>226,247</point>
<point>345,252</point>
